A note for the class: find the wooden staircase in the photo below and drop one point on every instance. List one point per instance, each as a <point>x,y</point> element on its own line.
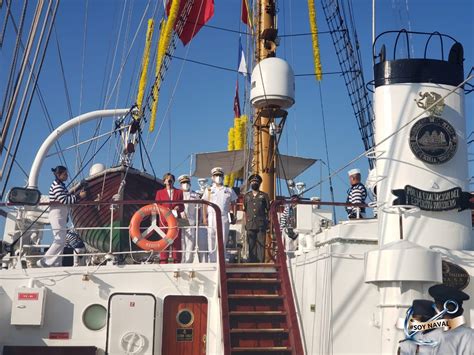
<point>262,317</point>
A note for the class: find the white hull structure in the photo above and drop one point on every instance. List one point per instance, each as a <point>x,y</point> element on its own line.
<point>134,323</point>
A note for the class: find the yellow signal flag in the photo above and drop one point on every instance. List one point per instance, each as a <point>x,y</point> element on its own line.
<point>163,44</point>
<point>314,39</point>
<point>145,62</point>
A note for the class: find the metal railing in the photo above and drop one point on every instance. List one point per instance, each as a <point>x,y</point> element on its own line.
<point>22,248</point>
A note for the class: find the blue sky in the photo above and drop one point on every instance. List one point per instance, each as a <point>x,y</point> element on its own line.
<point>196,102</point>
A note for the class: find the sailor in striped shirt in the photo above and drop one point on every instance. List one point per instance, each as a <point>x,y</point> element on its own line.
<point>356,194</point>
<point>287,225</point>
<point>60,198</point>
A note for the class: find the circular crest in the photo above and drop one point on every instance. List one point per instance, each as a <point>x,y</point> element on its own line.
<point>433,140</point>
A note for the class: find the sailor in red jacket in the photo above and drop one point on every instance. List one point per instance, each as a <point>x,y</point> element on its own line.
<point>169,193</point>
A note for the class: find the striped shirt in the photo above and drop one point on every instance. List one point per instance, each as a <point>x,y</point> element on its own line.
<point>59,193</point>
<point>73,240</point>
<point>356,194</point>
<point>287,218</point>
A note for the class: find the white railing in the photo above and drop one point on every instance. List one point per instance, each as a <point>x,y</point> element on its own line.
<point>24,253</point>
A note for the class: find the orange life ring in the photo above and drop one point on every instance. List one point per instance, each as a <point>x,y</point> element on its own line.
<point>141,238</point>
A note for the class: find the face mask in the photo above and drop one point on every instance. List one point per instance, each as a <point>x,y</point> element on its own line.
<point>218,179</point>
<point>186,186</point>
<point>254,186</point>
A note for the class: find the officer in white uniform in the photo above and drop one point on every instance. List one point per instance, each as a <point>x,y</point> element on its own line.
<point>193,215</point>
<point>223,197</point>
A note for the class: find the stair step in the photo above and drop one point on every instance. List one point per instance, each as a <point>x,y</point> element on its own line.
<point>251,268</point>
<point>257,313</point>
<point>252,349</point>
<point>258,331</point>
<point>246,265</point>
<point>259,297</point>
<point>253,280</point>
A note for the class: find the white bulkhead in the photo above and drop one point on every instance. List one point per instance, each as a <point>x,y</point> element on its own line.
<point>273,84</point>
<point>426,156</point>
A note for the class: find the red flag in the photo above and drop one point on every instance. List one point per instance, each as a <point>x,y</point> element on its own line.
<point>201,12</point>
<point>236,101</point>
<point>245,12</point>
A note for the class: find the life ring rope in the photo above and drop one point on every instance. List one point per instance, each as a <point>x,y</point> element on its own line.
<point>141,238</point>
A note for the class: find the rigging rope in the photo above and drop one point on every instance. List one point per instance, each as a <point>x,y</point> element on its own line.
<point>35,81</point>
<point>323,117</point>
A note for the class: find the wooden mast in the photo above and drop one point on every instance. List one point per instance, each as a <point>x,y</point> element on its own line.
<point>264,142</point>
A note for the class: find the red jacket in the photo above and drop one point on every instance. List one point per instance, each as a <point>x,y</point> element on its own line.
<point>162,195</point>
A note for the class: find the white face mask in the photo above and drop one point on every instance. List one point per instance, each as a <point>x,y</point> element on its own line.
<point>218,179</point>
<point>186,186</point>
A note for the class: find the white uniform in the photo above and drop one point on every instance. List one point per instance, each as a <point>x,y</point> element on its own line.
<point>459,341</point>
<point>408,347</point>
<point>222,196</point>
<point>190,235</point>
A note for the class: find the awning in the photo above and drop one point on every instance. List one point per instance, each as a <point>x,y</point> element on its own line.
<point>288,167</point>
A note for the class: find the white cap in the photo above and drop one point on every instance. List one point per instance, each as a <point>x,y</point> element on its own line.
<point>184,177</point>
<point>217,170</point>
<point>353,172</point>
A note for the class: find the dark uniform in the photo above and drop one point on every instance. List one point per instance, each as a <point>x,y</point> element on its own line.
<point>256,209</point>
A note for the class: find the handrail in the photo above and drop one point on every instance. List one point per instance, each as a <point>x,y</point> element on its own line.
<point>295,333</point>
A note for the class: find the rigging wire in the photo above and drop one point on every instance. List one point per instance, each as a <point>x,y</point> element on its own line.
<point>394,133</point>
<point>84,42</point>
<point>19,31</point>
<point>236,70</point>
<point>35,81</point>
<point>66,91</point>
<point>19,44</point>
<point>5,22</point>
<point>165,115</point>
<point>19,78</point>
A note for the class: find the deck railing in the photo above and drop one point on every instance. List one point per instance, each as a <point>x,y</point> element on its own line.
<point>22,248</point>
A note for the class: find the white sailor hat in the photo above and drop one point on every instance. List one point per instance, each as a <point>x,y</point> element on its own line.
<point>217,171</point>
<point>353,172</point>
<point>184,178</point>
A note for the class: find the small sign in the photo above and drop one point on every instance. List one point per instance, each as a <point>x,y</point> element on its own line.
<point>455,276</point>
<point>447,200</point>
<point>28,296</point>
<point>184,334</point>
<point>59,335</point>
<point>433,140</point>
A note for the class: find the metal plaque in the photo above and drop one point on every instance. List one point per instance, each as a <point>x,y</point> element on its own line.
<point>184,334</point>
<point>430,200</point>
<point>455,276</point>
<point>433,140</point>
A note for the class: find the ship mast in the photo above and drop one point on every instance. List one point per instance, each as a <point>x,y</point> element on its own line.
<point>264,142</point>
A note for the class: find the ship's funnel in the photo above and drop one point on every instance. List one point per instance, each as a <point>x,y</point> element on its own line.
<point>421,149</point>
<point>273,84</point>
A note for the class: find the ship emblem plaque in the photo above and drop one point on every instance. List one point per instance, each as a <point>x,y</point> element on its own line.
<point>433,140</point>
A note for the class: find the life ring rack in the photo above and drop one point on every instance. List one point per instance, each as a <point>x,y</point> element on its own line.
<point>141,238</point>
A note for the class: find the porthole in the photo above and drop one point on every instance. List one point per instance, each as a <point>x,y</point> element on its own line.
<point>94,317</point>
<point>185,317</point>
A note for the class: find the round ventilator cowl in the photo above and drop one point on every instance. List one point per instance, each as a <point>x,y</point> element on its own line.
<point>96,169</point>
<point>273,84</point>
